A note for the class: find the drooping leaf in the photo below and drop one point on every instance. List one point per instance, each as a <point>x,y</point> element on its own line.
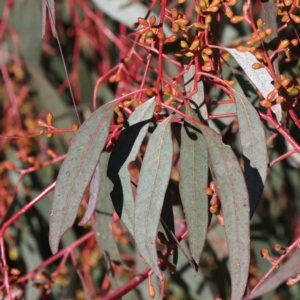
<point>232,190</point>
<point>197,100</point>
<point>48,5</point>
<point>27,20</point>
<point>260,78</point>
<point>254,148</point>
<point>192,184</point>
<point>76,171</point>
<point>153,182</point>
<point>287,270</point>
<point>125,151</point>
<point>104,211</point>
<point>168,223</point>
<point>93,198</point>
<point>269,12</point>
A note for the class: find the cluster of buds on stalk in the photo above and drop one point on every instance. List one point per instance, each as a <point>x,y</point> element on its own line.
<point>215,204</point>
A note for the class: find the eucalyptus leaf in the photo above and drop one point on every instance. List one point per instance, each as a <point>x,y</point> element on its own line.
<point>27,20</point>
<point>197,100</point>
<point>232,190</point>
<point>104,211</point>
<point>287,270</point>
<point>48,5</point>
<point>76,171</point>
<point>192,184</point>
<point>153,182</point>
<point>260,77</point>
<point>93,198</point>
<point>254,148</point>
<point>124,152</point>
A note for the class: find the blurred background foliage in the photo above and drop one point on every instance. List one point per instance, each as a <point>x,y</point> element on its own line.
<point>33,83</point>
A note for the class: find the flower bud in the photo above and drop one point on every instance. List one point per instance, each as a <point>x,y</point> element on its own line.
<point>284,44</point>
<point>152,20</point>
<point>194,45</point>
<point>236,19</point>
<point>143,22</point>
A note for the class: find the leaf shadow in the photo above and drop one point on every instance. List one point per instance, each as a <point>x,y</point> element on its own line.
<point>119,155</point>
<point>254,184</point>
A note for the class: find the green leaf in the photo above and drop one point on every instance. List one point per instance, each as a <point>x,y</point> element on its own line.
<point>254,148</point>
<point>198,99</point>
<point>125,151</point>
<point>104,211</point>
<point>76,171</point>
<point>51,12</point>
<point>93,198</point>
<point>153,182</point>
<point>232,190</point>
<point>167,217</point>
<point>287,270</point>
<point>260,78</point>
<point>27,19</point>
<point>192,184</point>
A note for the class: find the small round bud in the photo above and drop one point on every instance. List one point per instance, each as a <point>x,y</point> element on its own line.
<point>171,39</point>
<point>161,36</point>
<point>184,44</point>
<point>194,45</point>
<point>265,103</point>
<point>175,27</point>
<point>209,191</point>
<point>257,66</point>
<point>49,118</point>
<point>206,68</point>
<point>259,23</point>
<point>269,31</point>
<point>143,22</point>
<point>174,13</point>
<point>264,252</point>
<point>152,20</point>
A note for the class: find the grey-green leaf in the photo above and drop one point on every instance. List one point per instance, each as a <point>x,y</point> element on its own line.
<point>253,142</point>
<point>260,78</point>
<point>125,151</point>
<point>104,211</point>
<point>51,11</point>
<point>198,99</point>
<point>153,182</point>
<point>76,171</point>
<point>232,189</point>
<point>287,270</point>
<point>93,198</point>
<point>192,184</point>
